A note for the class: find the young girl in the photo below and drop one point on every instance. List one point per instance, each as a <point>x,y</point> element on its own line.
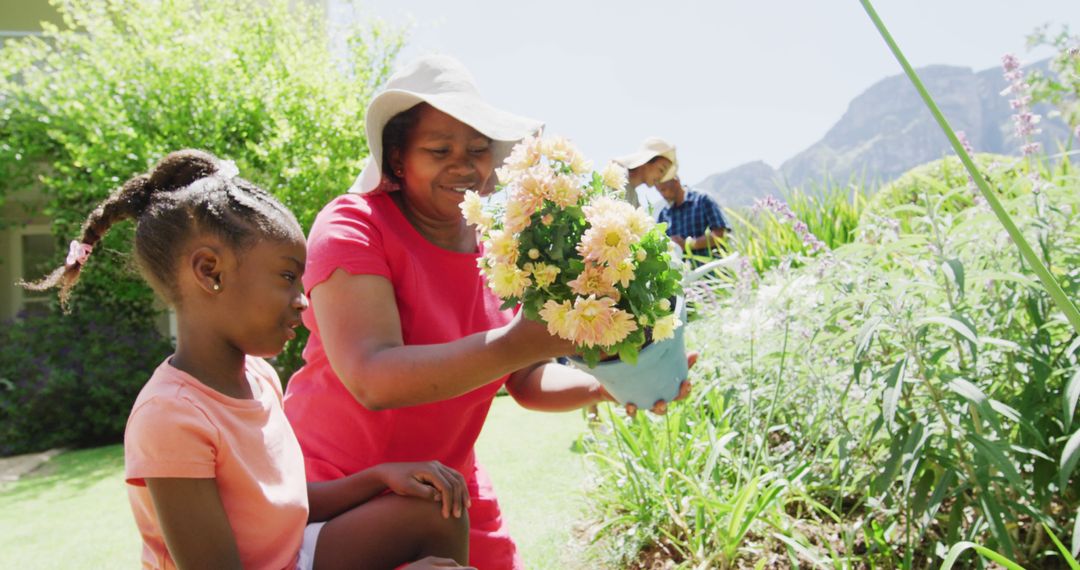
<point>215,473</point>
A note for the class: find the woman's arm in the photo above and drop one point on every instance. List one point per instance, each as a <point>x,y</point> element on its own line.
<point>193,522</point>
<point>551,387</point>
<point>361,333</point>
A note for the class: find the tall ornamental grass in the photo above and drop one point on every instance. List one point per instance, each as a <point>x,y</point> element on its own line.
<point>906,392</point>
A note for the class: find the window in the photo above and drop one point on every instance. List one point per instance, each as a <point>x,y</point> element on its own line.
<point>34,258</point>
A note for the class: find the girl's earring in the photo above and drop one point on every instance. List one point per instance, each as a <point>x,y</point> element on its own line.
<point>217,286</point>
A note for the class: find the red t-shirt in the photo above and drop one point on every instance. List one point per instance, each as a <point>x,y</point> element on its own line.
<point>441,297</point>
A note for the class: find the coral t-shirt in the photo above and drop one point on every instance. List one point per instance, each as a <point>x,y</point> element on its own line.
<point>441,297</point>
<point>182,428</point>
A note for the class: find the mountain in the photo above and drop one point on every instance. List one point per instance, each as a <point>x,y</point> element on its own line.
<point>888,130</point>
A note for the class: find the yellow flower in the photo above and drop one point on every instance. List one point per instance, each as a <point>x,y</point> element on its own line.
<point>506,280</point>
<point>622,273</point>
<point>665,305</point>
<point>639,222</point>
<point>664,328</point>
<point>534,253</point>
<point>472,208</point>
<point>641,255</point>
<point>502,246</point>
<point>614,176</point>
<point>593,281</point>
<point>543,273</point>
<point>556,315</point>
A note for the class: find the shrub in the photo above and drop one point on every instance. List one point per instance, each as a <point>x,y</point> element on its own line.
<point>71,380</point>
<point>126,81</point>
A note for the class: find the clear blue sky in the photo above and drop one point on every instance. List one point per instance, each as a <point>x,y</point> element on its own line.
<point>727,81</point>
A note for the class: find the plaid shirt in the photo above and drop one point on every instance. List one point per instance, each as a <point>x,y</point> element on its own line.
<point>696,216</point>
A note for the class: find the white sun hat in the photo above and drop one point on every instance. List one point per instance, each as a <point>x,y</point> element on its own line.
<point>651,148</point>
<point>444,83</point>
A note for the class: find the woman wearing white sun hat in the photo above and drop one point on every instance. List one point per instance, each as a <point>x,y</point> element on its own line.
<point>408,346</point>
<point>652,163</point>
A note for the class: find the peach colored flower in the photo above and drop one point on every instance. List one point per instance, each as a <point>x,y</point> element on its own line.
<point>524,156</point>
<point>596,322</point>
<point>593,281</point>
<point>565,190</point>
<point>622,324</point>
<point>517,216</point>
<point>607,241</point>
<point>556,314</point>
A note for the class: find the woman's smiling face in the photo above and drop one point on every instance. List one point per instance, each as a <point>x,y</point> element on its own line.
<point>441,159</point>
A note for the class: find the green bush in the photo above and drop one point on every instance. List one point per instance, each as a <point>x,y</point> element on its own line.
<point>122,84</point>
<point>70,380</point>
<point>126,81</point>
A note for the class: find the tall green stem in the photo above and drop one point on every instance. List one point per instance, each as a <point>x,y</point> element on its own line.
<point>1049,283</point>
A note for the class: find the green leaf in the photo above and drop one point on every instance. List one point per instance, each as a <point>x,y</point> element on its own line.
<point>991,451</point>
<point>1072,394</point>
<point>1068,556</point>
<point>969,391</point>
<point>958,327</point>
<point>954,269</point>
<point>862,342</point>
<point>960,547</point>
<point>1069,456</point>
<point>894,382</point>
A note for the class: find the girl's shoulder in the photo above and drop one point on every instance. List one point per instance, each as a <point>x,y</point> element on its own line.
<point>265,373</point>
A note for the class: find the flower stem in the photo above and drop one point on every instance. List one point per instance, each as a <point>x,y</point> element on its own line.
<point>1049,283</point>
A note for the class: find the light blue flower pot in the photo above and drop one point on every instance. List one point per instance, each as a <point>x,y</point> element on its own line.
<point>660,370</point>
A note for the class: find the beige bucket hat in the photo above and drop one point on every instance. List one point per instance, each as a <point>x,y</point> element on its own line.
<point>651,148</point>
<point>444,83</point>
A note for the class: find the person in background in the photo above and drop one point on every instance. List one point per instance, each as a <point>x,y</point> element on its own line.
<point>694,220</point>
<point>654,162</point>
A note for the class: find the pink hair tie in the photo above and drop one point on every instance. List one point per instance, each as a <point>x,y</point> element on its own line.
<point>77,253</point>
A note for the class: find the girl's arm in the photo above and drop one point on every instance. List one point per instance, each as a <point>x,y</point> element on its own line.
<point>193,522</point>
<point>426,480</point>
<point>361,332</point>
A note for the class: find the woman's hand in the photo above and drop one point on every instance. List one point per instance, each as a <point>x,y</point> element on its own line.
<point>660,407</point>
<point>534,337</point>
<point>428,480</point>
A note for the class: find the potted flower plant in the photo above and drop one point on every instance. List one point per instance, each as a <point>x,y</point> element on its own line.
<point>559,240</point>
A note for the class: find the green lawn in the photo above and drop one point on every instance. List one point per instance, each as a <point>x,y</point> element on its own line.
<point>73,512</point>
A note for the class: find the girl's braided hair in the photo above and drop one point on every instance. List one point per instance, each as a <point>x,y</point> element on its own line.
<point>188,192</point>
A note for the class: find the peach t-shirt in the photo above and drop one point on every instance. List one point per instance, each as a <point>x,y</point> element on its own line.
<point>179,427</point>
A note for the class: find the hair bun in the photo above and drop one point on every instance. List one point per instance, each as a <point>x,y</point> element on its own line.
<point>181,168</point>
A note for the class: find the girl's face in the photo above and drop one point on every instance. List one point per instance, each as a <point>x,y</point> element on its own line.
<point>265,296</point>
<point>654,170</point>
<point>441,159</point>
